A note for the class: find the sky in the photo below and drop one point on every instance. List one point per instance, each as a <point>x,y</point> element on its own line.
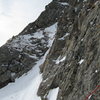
<point>16,14</point>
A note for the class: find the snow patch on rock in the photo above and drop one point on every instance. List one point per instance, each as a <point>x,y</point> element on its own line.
<point>53,94</point>
<point>60,60</point>
<point>63,38</point>
<point>64,3</point>
<point>81,61</point>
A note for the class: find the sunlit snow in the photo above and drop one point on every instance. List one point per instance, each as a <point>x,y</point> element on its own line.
<point>53,94</point>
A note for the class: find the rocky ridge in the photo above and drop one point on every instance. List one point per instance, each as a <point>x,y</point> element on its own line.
<point>21,52</point>
<point>73,63</point>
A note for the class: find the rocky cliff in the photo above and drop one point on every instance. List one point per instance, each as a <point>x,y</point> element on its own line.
<point>73,62</point>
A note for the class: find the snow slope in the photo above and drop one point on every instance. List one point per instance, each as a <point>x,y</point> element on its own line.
<point>26,87</point>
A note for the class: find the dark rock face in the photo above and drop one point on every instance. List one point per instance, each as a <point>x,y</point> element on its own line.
<point>73,63</point>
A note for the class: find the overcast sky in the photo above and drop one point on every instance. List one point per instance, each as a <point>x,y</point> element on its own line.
<point>16,14</point>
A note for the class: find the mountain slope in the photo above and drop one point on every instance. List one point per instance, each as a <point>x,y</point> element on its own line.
<point>71,70</point>
<point>21,52</point>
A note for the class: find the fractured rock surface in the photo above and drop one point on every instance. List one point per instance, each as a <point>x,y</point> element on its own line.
<point>73,63</point>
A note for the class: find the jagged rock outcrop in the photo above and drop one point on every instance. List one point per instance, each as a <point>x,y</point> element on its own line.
<point>52,13</point>
<point>73,63</point>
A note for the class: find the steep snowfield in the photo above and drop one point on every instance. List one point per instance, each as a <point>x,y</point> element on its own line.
<point>26,87</point>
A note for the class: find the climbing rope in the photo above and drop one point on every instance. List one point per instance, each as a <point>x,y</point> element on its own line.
<point>93,92</point>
